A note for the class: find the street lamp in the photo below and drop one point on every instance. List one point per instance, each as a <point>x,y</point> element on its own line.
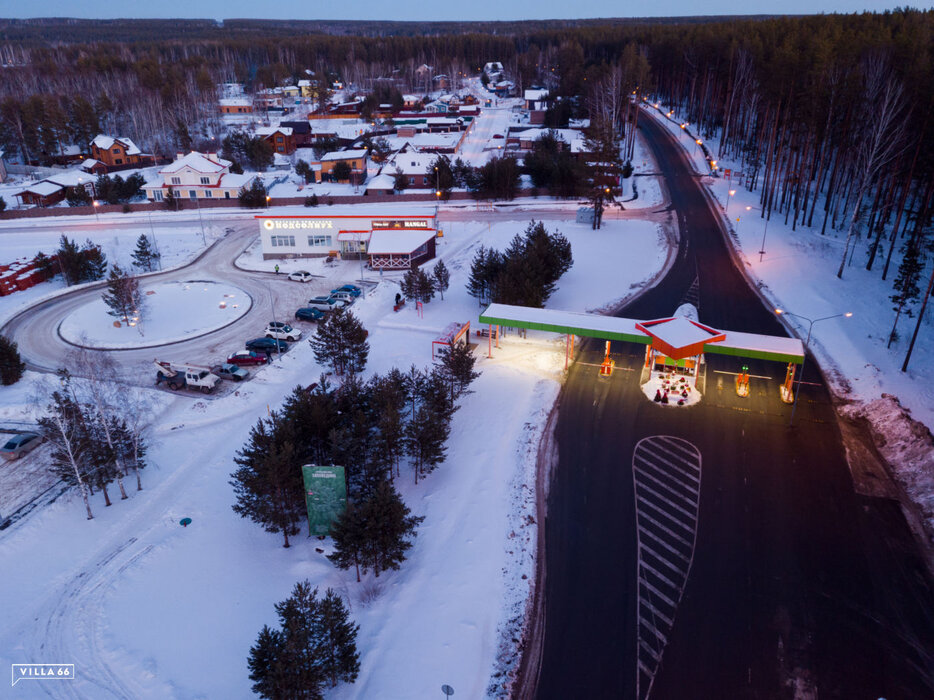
<point>203,239</point>
<point>96,215</point>
<point>811,323</point>
<point>730,193</point>
<point>267,201</point>
<point>765,230</point>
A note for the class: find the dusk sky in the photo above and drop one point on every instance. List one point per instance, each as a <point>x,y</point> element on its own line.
<point>409,10</point>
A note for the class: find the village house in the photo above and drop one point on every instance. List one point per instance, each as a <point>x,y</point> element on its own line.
<point>197,176</point>
<point>279,137</point>
<point>56,188</point>
<point>236,105</point>
<point>414,166</point>
<point>118,153</point>
<point>301,132</point>
<point>356,159</point>
<point>537,104</point>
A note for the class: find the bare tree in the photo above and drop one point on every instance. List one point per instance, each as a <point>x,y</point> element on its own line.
<point>881,137</point>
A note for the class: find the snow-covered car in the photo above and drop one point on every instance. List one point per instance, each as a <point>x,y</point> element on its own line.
<point>230,371</point>
<point>18,445</point>
<point>306,313</point>
<point>343,296</point>
<point>301,276</point>
<point>352,288</point>
<point>282,331</point>
<point>325,303</point>
<point>247,357</point>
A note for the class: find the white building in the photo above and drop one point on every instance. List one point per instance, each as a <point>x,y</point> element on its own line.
<point>198,176</point>
<point>392,237</point>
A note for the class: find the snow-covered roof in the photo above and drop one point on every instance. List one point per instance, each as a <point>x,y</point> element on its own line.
<point>43,188</point>
<point>88,163</point>
<point>199,162</point>
<point>235,101</point>
<point>105,143</point>
<point>402,210</point>
<point>410,162</point>
<point>236,179</point>
<point>401,241</point>
<point>536,95</point>
<point>384,181</point>
<point>411,98</point>
<point>270,130</point>
<point>345,155</point>
<point>304,83</point>
<point>70,178</point>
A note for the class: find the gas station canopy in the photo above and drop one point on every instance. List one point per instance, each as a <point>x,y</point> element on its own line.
<point>677,337</point>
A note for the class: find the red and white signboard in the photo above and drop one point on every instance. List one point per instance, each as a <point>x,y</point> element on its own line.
<point>452,334</point>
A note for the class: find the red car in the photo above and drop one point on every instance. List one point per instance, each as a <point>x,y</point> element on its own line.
<point>245,358</point>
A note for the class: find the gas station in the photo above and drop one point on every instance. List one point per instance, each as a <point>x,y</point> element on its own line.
<point>675,346</point>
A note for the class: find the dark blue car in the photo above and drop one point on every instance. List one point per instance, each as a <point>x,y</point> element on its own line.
<point>267,345</point>
<point>351,288</point>
<point>306,313</point>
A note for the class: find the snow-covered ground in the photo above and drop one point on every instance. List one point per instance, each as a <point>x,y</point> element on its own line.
<point>148,609</point>
<point>797,273</point>
<point>172,312</point>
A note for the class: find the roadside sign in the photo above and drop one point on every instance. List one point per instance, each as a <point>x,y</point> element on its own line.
<point>325,496</point>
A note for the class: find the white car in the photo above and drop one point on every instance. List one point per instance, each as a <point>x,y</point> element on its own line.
<point>301,276</point>
<point>282,331</point>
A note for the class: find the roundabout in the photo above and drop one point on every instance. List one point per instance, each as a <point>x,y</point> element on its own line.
<point>171,312</point>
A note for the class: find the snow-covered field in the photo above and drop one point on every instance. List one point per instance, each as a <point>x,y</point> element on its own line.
<point>148,609</point>
<point>172,312</point>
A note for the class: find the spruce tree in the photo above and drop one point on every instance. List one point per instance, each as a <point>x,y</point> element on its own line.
<point>340,342</point>
<point>266,663</point>
<point>424,286</point>
<point>458,366</point>
<point>11,364</point>
<point>478,284</point>
<point>268,483</point>
<point>409,285</point>
<point>70,260</point>
<point>145,256</point>
<point>123,296</point>
<point>442,278</point>
<point>349,536</point>
<point>301,666</point>
<point>337,644</point>
<point>94,262</point>
<point>389,527</point>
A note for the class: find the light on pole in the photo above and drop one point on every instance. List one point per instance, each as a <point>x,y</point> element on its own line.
<point>267,201</point>
<point>729,194</point>
<point>96,215</point>
<point>811,322</point>
<point>203,239</point>
<point>154,244</point>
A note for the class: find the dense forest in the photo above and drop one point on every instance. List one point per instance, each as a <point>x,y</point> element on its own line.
<point>829,114</point>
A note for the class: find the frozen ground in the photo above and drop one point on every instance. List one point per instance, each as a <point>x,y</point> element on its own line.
<point>172,311</point>
<point>147,609</point>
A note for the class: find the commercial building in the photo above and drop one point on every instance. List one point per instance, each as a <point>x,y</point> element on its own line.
<point>396,237</point>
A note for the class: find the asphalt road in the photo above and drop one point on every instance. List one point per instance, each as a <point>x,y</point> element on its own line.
<point>796,581</point>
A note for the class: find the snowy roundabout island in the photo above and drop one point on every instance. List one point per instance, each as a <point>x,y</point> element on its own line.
<point>172,312</point>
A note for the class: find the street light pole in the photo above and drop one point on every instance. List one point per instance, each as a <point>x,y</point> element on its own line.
<point>729,194</point>
<point>96,215</point>
<point>811,322</point>
<point>154,243</point>
<point>203,240</point>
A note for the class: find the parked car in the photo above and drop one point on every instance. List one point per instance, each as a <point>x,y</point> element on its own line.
<point>343,296</point>
<point>306,313</point>
<point>301,276</point>
<point>325,304</point>
<point>247,357</point>
<point>352,288</point>
<point>18,445</point>
<point>497,136</point>
<point>229,370</point>
<point>282,331</point>
<point>267,345</point>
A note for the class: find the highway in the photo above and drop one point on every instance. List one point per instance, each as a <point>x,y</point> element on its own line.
<point>794,581</point>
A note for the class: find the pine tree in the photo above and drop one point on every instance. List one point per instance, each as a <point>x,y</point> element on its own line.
<point>337,644</point>
<point>442,278</point>
<point>11,365</point>
<point>316,646</point>
<point>349,536</point>
<point>424,286</point>
<point>340,342</point>
<point>268,483</point>
<point>389,527</point>
<point>123,296</point>
<point>144,257</point>
<point>458,365</point>
<point>266,661</point>
<point>70,261</point>
<point>478,282</point>
<point>409,285</point>
<point>94,262</point>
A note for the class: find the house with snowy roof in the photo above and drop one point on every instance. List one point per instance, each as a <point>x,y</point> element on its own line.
<point>279,137</point>
<point>197,176</point>
<point>118,153</point>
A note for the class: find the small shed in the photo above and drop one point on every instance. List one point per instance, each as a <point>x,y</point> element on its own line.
<point>454,333</point>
